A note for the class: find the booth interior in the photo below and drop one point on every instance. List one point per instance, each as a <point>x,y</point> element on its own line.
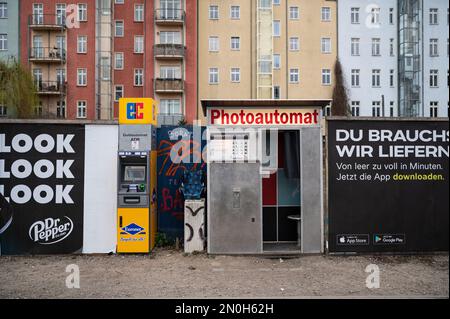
<point>264,181</point>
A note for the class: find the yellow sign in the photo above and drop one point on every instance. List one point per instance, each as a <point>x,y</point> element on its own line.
<point>134,231</point>
<point>137,111</point>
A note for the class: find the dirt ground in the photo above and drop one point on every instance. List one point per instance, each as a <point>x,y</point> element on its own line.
<point>171,274</point>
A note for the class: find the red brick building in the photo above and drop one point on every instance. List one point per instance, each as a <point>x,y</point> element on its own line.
<point>85,57</point>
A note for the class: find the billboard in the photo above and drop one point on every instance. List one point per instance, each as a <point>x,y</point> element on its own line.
<point>388,186</point>
<point>42,179</point>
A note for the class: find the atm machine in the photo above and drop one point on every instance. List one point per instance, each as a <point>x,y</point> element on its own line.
<point>136,194</point>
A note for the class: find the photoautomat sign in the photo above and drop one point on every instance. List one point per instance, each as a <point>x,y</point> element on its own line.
<point>263,117</point>
<point>42,177</point>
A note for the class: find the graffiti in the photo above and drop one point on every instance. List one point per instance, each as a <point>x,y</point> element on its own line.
<point>178,151</point>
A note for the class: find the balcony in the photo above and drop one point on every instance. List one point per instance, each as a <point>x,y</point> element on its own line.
<point>50,88</point>
<point>47,55</point>
<point>169,16</point>
<point>163,85</point>
<point>48,22</point>
<point>169,51</point>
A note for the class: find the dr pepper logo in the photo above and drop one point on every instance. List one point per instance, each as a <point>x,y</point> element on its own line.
<point>50,230</point>
<point>135,111</point>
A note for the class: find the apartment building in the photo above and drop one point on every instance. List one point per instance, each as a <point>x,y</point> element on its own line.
<point>9,29</point>
<point>264,49</point>
<point>9,38</point>
<point>394,55</point>
<point>86,55</point>
<point>155,55</point>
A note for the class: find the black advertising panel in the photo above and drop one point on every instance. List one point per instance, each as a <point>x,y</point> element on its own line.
<point>388,186</point>
<point>42,178</point>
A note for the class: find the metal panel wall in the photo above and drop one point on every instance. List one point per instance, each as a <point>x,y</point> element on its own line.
<point>234,220</point>
<point>311,186</point>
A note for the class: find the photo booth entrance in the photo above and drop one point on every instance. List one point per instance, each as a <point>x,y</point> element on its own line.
<point>264,176</point>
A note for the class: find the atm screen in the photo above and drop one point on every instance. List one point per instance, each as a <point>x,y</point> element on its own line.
<point>134,174</point>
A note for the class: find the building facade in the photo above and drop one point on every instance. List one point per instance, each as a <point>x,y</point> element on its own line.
<point>85,56</point>
<point>264,49</point>
<point>394,55</point>
<point>9,29</point>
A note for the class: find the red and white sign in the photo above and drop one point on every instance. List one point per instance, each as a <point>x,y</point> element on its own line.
<point>263,117</point>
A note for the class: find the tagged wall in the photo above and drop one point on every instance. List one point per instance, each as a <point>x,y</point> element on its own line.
<point>388,186</point>
<point>60,180</point>
<point>186,147</point>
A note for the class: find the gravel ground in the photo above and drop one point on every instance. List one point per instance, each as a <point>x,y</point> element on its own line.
<point>171,274</point>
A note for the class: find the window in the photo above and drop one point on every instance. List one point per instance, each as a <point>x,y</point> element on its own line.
<point>326,77</point>
<point>38,13</point>
<point>235,12</point>
<point>81,109</point>
<point>276,61</point>
<point>355,46</point>
<point>294,44</point>
<point>391,15</point>
<point>119,1</point>
<point>326,14</point>
<point>82,12</point>
<point>434,78</point>
<point>235,75</point>
<point>434,109</point>
<point>355,108</point>
<point>354,15</point>
<point>61,109</point>
<point>276,28</point>
<point>118,60</point>
<point>276,92</point>
<point>213,44</point>
<point>391,47</point>
<point>326,45</point>
<point>139,13</point>
<point>3,42</point>
<point>376,108</point>
<point>3,11</point>
<point>265,66</point>
<point>81,77</point>
<point>293,13</point>
<point>82,44</point>
<point>213,12</point>
<point>355,77</point>
<point>213,75</point>
<point>170,37</point>
<point>275,2</point>
<point>433,16</point>
<point>375,15</point>
<point>118,30</point>
<point>60,14</point>
<point>60,76</point>
<point>235,43</point>
<point>138,77</point>
<point>391,78</point>
<point>391,109</point>
<point>139,44</point>
<point>434,47</point>
<point>376,46</point>
<point>170,72</point>
<point>293,76</point>
<point>327,111</point>
<point>376,78</point>
<point>3,111</point>
<point>38,110</point>
<point>118,92</point>
<point>266,4</point>
<point>170,107</point>
<point>105,68</point>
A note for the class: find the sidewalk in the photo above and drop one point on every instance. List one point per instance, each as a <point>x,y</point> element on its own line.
<point>167,274</point>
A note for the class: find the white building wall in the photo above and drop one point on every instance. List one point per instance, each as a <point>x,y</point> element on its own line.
<point>440,62</point>
<point>365,31</point>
